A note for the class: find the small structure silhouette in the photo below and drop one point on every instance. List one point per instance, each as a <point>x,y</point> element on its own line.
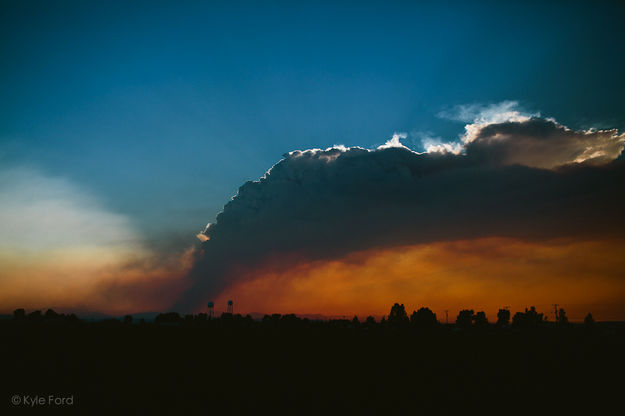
<point>230,307</point>
<point>211,309</point>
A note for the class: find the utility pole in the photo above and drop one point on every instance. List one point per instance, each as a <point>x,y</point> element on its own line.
<point>446,317</point>
<point>555,312</point>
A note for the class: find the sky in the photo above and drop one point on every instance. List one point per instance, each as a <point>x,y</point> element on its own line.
<point>126,127</point>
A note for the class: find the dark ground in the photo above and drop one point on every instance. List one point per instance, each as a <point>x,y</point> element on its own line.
<point>302,368</point>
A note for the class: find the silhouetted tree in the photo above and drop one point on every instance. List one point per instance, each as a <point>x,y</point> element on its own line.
<point>35,316</point>
<point>19,314</point>
<point>480,320</point>
<point>290,320</point>
<point>127,319</point>
<point>398,315</point>
<point>271,321</point>
<point>111,322</point>
<point>73,318</point>
<point>589,321</point>
<point>370,322</point>
<point>465,318</point>
<point>356,321</point>
<point>503,317</point>
<point>423,318</point>
<point>50,314</point>
<point>529,318</point>
<point>168,318</point>
<point>562,319</point>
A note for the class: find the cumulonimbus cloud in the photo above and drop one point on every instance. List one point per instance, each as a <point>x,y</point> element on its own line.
<point>527,178</point>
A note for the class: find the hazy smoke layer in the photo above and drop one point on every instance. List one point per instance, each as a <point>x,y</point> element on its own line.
<point>61,247</point>
<point>530,179</point>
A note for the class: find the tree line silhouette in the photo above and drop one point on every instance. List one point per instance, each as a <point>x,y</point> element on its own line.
<point>408,362</point>
<point>398,318</point>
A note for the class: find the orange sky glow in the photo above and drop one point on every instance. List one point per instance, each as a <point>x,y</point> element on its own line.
<point>482,274</point>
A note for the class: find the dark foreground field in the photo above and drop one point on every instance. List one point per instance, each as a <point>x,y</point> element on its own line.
<point>301,368</point>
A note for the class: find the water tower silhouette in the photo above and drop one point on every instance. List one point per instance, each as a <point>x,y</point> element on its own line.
<point>230,307</point>
<point>211,309</point>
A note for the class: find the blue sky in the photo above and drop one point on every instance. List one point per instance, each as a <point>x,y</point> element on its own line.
<point>163,109</point>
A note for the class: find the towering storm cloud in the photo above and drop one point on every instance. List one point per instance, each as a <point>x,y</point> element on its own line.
<point>542,143</point>
<point>526,178</point>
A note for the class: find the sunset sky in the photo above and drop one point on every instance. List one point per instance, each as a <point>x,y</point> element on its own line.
<point>346,156</point>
